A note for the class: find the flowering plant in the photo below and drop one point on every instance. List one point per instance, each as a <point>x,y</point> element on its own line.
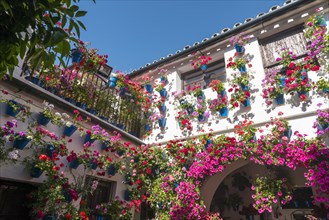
<point>286,57</point>
<point>245,130</point>
<point>237,62</point>
<point>115,209</point>
<point>322,85</point>
<point>184,121</point>
<point>241,79</point>
<point>200,60</point>
<point>273,85</point>
<point>160,86</point>
<point>196,90</point>
<point>240,39</point>
<point>217,85</point>
<point>238,96</point>
<point>218,104</point>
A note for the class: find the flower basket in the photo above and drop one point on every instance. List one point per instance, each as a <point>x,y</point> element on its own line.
<point>42,119</point>
<point>35,172</point>
<point>11,110</point>
<point>162,107</point>
<point>246,102</point>
<point>163,93</point>
<point>88,139</point>
<point>49,150</point>
<point>68,131</point>
<point>204,67</point>
<point>279,99</point>
<point>162,122</point>
<point>74,164</point>
<point>244,87</point>
<point>20,143</point>
<point>243,69</point>
<point>148,88</point>
<point>238,48</point>
<point>147,127</point>
<point>223,112</point>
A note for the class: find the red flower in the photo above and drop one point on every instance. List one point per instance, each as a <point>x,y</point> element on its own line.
<point>315,68</point>
<point>291,65</point>
<point>43,157</point>
<point>148,171</point>
<point>68,216</point>
<point>302,97</point>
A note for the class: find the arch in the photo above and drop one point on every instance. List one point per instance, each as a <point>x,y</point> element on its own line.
<point>211,184</point>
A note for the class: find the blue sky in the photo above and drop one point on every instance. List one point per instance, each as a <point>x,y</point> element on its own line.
<point>134,33</point>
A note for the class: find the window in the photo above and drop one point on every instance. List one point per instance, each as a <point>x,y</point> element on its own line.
<point>203,79</point>
<point>104,193</point>
<point>302,198</point>
<point>293,39</point>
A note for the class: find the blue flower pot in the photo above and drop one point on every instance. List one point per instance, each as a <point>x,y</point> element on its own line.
<point>182,101</point>
<point>113,79</point>
<point>308,204</point>
<point>99,217</point>
<point>84,106</point>
<point>201,118</point>
<point>246,102</point>
<point>112,84</point>
<point>190,110</point>
<point>244,87</point>
<point>207,144</point>
<point>68,131</point>
<point>325,90</point>
<point>222,93</point>
<point>302,93</point>
<point>288,133</point>
<point>204,67</point>
<point>120,152</point>
<point>93,165</point>
<point>162,108</point>
<point>279,99</point>
<point>122,126</point>
<point>21,143</point>
<point>148,88</point>
<point>88,139</point>
<point>112,170</point>
<point>105,145</point>
<point>147,128</point>
<point>238,48</point>
<point>176,185</point>
<point>243,69</point>
<point>163,79</point>
<point>10,110</point>
<point>323,126</point>
<point>76,56</point>
<point>162,122</point>
<point>127,195</point>
<point>70,100</point>
<point>223,112</point>
<point>92,111</point>
<point>283,81</point>
<point>74,164</point>
<point>35,172</point>
<point>49,150</point>
<point>163,93</point>
<point>42,120</point>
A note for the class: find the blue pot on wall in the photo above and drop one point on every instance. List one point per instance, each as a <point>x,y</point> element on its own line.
<point>162,122</point>
<point>99,217</point>
<point>74,164</point>
<point>49,217</point>
<point>127,195</point>
<point>162,108</point>
<point>147,128</point>
<point>89,139</point>
<point>243,69</point>
<point>112,84</point>
<point>279,99</point>
<point>323,126</point>
<point>283,81</point>
<point>201,96</point>
<point>49,150</point>
<point>93,165</point>
<point>288,132</point>
<point>238,48</point>
<point>244,87</point>
<point>222,93</point>
<point>204,67</point>
<point>163,79</point>
<point>20,143</point>
<point>148,88</point>
<point>76,56</point>
<point>223,112</point>
<point>190,110</point>
<point>42,119</point>
<point>112,170</point>
<point>35,172</point>
<point>201,118</point>
<point>163,93</point>
<point>68,131</point>
<point>105,145</point>
<point>10,110</point>
<point>207,144</point>
<point>246,102</point>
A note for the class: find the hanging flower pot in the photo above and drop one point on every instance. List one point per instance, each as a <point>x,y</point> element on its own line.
<point>279,99</point>
<point>238,48</point>
<point>162,122</point>
<point>147,127</point>
<point>190,110</point>
<point>201,118</point>
<point>322,126</point>
<point>93,165</point>
<point>113,81</point>
<point>69,130</point>
<point>243,69</point>
<point>99,217</point>
<point>302,94</point>
<point>246,102</point>
<point>222,93</point>
<point>49,150</point>
<point>105,145</point>
<point>283,81</point>
<point>204,67</point>
<point>67,196</point>
<point>288,132</point>
<point>89,139</point>
<point>13,111</point>
<point>21,142</point>
<point>223,112</point>
<point>208,142</point>
<point>148,88</point>
<point>35,172</point>
<point>163,93</point>
<point>74,164</point>
<point>162,107</point>
<point>112,170</point>
<point>42,119</point>
<point>244,87</point>
<point>201,96</point>
<point>76,55</point>
<point>163,79</point>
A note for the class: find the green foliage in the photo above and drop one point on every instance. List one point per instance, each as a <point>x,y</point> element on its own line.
<point>37,31</point>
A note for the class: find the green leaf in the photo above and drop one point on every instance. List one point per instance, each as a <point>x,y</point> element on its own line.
<point>77,29</point>
<point>80,13</point>
<point>82,25</point>
<point>74,8</point>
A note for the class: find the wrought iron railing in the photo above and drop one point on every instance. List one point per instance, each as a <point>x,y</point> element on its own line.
<point>88,90</point>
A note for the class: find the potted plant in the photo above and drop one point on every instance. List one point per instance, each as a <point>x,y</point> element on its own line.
<point>201,61</point>
<point>274,87</point>
<point>73,160</point>
<point>323,85</point>
<point>197,92</point>
<point>239,41</point>
<point>46,115</point>
<point>239,96</point>
<point>160,88</point>
<point>323,119</point>
<point>13,108</point>
<point>21,140</point>
<point>219,105</point>
<point>239,63</point>
<point>218,86</point>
